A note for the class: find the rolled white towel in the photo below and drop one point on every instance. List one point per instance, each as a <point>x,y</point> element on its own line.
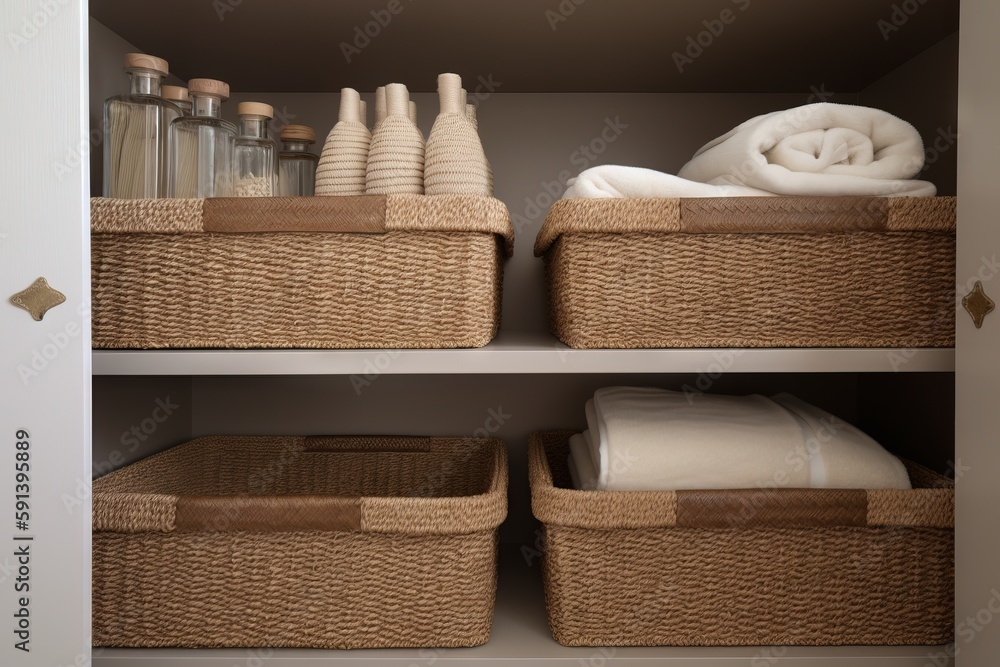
<point>815,150</point>
<point>606,181</point>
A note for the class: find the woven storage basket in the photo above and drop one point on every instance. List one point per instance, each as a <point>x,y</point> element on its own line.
<point>393,271</point>
<point>744,567</point>
<point>751,272</point>
<point>307,542</point>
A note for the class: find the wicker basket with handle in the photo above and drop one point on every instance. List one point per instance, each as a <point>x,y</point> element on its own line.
<point>396,271</point>
<point>751,272</point>
<point>743,567</point>
<point>300,541</point>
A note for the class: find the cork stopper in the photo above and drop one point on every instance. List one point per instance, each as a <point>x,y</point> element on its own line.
<point>397,100</point>
<point>350,106</point>
<point>175,93</point>
<point>302,133</point>
<point>255,109</point>
<point>209,87</point>
<point>143,61</point>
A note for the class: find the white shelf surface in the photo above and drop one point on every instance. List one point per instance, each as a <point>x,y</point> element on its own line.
<point>521,637</point>
<point>521,353</point>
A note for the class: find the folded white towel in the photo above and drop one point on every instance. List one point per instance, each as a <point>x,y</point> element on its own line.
<point>848,457</point>
<point>651,439</point>
<point>580,467</point>
<point>816,150</point>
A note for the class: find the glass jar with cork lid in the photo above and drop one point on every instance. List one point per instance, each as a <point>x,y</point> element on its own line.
<point>296,165</point>
<point>256,152</point>
<point>135,132</point>
<point>179,96</point>
<point>203,145</point>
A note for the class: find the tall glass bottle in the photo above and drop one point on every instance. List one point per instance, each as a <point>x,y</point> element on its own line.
<point>203,145</point>
<point>135,132</point>
<point>296,165</point>
<point>179,96</point>
<point>256,152</point>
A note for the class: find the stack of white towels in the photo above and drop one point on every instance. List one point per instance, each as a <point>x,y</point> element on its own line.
<point>819,149</point>
<point>646,439</point>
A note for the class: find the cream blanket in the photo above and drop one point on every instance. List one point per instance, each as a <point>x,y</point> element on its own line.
<point>816,150</point>
<point>653,439</point>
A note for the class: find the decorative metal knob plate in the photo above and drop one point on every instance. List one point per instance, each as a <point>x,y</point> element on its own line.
<point>978,304</point>
<point>38,299</point>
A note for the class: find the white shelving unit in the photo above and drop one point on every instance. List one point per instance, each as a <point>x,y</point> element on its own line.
<point>550,95</point>
<point>521,354</point>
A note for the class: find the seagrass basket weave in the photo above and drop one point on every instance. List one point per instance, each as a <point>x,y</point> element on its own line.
<point>751,272</point>
<point>743,567</point>
<point>398,271</point>
<point>300,542</point>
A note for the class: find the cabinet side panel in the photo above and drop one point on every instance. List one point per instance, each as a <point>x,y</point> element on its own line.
<point>45,366</point>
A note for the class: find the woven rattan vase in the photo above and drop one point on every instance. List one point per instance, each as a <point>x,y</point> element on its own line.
<point>344,161</point>
<point>470,115</point>
<point>455,163</point>
<point>396,158</point>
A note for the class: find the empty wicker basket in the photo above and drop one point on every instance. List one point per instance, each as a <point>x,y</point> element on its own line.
<point>744,567</point>
<point>396,271</point>
<point>751,272</point>
<point>308,542</point>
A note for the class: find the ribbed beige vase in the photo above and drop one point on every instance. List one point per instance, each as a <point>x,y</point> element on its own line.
<point>455,162</point>
<point>344,162</point>
<point>396,158</point>
<point>379,106</point>
<point>470,115</point>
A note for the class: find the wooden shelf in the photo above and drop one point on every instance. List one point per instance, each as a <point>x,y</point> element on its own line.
<point>521,637</point>
<point>515,353</point>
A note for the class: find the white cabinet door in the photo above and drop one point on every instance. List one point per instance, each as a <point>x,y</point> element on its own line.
<point>45,367</point>
<point>978,360</point>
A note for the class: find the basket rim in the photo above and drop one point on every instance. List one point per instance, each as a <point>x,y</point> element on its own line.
<point>355,214</point>
<point>930,506</point>
<point>745,215</point>
<point>137,511</point>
